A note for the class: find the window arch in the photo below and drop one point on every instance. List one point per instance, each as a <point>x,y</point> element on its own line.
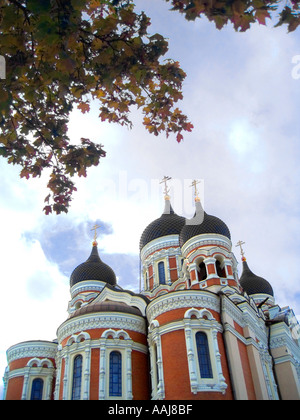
<point>77,377</point>
<point>202,273</point>
<point>220,267</point>
<point>37,389</point>
<point>115,374</point>
<point>161,273</point>
<point>203,355</point>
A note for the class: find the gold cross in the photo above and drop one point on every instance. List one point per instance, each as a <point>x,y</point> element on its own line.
<point>164,181</point>
<point>194,184</point>
<point>240,243</point>
<point>95,229</point>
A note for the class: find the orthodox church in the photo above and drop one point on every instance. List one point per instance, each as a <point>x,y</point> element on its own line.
<point>196,330</point>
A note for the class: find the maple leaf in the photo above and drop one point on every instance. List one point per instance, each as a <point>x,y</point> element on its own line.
<point>84,107</point>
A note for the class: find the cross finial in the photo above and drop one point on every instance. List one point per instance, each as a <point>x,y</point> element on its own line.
<point>240,243</point>
<point>166,190</point>
<point>95,234</point>
<point>194,184</point>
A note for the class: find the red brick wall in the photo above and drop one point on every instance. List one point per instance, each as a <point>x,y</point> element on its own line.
<point>94,379</point>
<point>14,388</point>
<point>176,372</point>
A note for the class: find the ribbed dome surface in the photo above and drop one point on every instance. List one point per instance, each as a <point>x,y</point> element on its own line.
<point>167,224</point>
<point>93,269</point>
<point>210,224</point>
<point>253,284</point>
<point>106,306</point>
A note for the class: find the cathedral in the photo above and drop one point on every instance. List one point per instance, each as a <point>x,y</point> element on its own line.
<point>195,331</point>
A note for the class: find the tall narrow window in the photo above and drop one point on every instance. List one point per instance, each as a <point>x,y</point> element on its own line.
<point>220,271</point>
<point>37,389</point>
<point>77,374</point>
<point>161,273</point>
<point>203,355</point>
<point>202,274</point>
<point>115,374</point>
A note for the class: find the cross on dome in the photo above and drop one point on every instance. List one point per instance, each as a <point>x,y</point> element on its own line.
<point>95,234</point>
<point>194,184</point>
<point>167,189</point>
<point>240,243</point>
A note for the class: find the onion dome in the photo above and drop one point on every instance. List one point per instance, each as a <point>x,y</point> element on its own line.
<point>253,284</point>
<point>169,223</point>
<point>107,306</point>
<point>202,223</point>
<point>93,269</point>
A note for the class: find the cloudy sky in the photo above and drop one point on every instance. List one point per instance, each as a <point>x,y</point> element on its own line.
<point>242,94</point>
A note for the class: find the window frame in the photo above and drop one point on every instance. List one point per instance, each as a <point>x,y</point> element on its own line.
<point>204,359</point>
<point>112,366</point>
<point>34,381</point>
<point>73,387</point>
<point>161,264</point>
<point>203,321</point>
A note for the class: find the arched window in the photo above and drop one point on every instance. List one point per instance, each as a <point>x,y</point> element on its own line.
<point>161,273</point>
<point>203,355</point>
<point>37,389</point>
<point>115,374</point>
<point>220,270</point>
<point>77,374</point>
<point>202,273</point>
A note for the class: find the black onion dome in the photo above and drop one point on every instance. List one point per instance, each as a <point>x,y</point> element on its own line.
<point>253,284</point>
<point>210,224</point>
<point>169,223</point>
<point>93,269</point>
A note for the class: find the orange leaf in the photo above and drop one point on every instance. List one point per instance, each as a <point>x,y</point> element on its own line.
<point>84,107</point>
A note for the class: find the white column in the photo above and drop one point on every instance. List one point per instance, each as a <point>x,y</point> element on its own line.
<point>102,369</point>
<point>87,373</point>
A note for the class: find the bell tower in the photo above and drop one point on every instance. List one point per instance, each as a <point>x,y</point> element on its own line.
<point>161,257</point>
<point>206,247</point>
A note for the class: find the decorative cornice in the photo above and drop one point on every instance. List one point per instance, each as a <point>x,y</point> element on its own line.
<point>206,239</point>
<point>158,244</point>
<point>87,286</point>
<point>32,349</point>
<point>101,320</point>
<point>182,299</point>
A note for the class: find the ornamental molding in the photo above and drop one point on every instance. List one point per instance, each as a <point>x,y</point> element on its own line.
<point>86,286</point>
<point>159,244</point>
<point>122,296</point>
<point>182,299</point>
<point>161,253</point>
<point>101,320</point>
<point>209,239</point>
<point>32,349</point>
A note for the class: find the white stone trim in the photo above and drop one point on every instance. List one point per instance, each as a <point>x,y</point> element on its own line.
<point>45,349</point>
<point>182,299</point>
<point>101,320</point>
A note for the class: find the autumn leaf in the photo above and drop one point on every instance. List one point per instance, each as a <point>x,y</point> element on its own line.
<point>84,107</point>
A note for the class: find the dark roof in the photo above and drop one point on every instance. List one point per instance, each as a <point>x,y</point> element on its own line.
<point>93,269</point>
<point>107,306</point>
<point>253,284</point>
<point>166,224</point>
<point>210,224</point>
